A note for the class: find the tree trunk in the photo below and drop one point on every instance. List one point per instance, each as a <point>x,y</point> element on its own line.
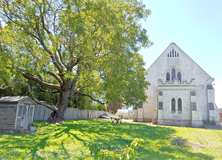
<point>61,106</point>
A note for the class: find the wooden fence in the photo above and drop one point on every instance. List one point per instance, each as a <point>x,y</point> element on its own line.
<point>43,113</point>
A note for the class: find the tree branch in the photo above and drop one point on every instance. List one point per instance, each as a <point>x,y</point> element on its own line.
<point>76,91</point>
<point>39,37</point>
<point>47,90</point>
<point>71,43</point>
<point>50,35</point>
<point>9,87</point>
<point>55,76</point>
<point>60,56</point>
<point>41,40</point>
<point>73,85</point>
<point>3,88</point>
<point>43,24</point>
<point>74,81</point>
<point>72,64</point>
<point>37,101</point>
<point>59,59</point>
<point>36,79</point>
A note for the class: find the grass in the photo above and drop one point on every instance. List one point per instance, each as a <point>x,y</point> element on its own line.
<point>72,140</point>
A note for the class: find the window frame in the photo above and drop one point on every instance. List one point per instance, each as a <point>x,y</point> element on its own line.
<point>173,72</point>
<point>173,105</point>
<point>179,77</point>
<point>179,105</point>
<point>167,76</point>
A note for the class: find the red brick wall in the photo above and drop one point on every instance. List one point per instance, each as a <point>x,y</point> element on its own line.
<point>220,116</point>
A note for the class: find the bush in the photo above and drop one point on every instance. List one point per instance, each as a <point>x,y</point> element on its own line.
<point>213,122</point>
<point>125,154</point>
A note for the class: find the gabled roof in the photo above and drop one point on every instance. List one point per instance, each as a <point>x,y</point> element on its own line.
<point>15,99</point>
<point>160,55</point>
<point>183,53</point>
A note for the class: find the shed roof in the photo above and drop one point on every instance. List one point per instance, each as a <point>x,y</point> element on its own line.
<point>15,99</point>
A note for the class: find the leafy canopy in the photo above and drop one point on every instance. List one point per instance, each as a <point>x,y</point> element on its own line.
<point>92,43</point>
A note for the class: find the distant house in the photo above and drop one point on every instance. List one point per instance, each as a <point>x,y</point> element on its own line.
<point>220,113</point>
<point>16,112</point>
<point>181,92</point>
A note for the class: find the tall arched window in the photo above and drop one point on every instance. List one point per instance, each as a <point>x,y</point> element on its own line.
<point>173,74</point>
<point>168,76</point>
<point>179,105</point>
<point>179,76</point>
<point>173,105</point>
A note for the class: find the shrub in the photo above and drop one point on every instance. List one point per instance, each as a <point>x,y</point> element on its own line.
<point>213,122</point>
<point>125,154</point>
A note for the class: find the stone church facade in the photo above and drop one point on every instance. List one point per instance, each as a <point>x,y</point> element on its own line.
<point>181,92</point>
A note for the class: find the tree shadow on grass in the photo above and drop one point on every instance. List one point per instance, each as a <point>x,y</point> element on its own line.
<point>15,146</point>
<point>157,140</point>
<point>72,140</point>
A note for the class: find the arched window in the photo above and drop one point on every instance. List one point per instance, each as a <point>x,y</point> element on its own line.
<point>168,55</point>
<point>173,74</point>
<point>173,105</point>
<point>179,105</point>
<point>173,51</point>
<point>168,76</point>
<point>179,76</point>
<point>177,54</point>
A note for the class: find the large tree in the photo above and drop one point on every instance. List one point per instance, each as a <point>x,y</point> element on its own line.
<point>74,46</point>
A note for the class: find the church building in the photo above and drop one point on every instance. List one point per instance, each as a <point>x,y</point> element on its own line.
<point>180,93</point>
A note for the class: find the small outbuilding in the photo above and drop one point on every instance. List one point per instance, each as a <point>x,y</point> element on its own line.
<point>16,112</point>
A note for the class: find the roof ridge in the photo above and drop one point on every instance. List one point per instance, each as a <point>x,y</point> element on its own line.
<point>160,55</point>
<point>184,53</point>
<point>193,61</point>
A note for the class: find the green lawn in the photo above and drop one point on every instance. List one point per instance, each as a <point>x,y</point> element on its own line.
<point>72,140</point>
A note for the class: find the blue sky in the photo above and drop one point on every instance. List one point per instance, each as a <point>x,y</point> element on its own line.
<point>195,26</point>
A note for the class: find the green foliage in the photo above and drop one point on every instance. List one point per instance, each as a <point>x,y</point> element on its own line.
<point>125,154</point>
<point>94,43</point>
<point>83,102</point>
<point>40,92</point>
<point>100,107</point>
<point>205,122</point>
<point>80,101</point>
<point>213,122</point>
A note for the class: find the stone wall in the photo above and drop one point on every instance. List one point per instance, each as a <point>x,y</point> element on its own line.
<point>178,90</point>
